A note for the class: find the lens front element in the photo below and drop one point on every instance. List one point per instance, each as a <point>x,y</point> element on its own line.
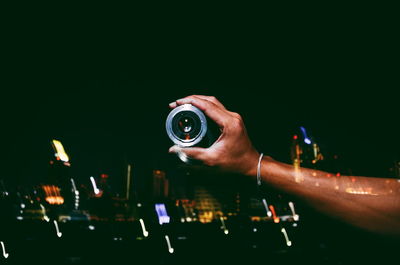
<point>186,125</point>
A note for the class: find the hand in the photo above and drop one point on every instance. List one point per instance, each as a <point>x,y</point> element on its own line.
<point>233,150</point>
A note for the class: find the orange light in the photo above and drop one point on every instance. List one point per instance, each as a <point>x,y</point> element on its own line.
<point>53,195</point>
<point>57,200</point>
<point>275,218</point>
<point>206,217</point>
<point>158,173</point>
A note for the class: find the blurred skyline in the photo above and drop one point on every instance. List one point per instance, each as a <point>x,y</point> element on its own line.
<point>105,124</point>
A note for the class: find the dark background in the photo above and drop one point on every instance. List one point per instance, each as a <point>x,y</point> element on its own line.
<point>100,81</point>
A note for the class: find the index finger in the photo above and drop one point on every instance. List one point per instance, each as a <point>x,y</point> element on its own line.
<point>212,99</point>
<point>216,113</point>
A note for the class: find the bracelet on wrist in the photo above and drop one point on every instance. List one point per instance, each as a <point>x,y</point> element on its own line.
<point>259,169</point>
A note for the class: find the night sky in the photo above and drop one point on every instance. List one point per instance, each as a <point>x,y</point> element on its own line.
<point>104,92</point>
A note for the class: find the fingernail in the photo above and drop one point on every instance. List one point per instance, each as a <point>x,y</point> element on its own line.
<point>172,104</point>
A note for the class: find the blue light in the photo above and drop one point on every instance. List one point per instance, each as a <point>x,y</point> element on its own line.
<point>163,217</point>
<point>303,130</point>
<point>306,139</point>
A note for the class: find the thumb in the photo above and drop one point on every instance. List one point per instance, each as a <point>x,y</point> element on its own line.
<point>197,153</point>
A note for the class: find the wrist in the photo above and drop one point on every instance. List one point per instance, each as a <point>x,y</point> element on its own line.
<point>255,166</point>
<point>252,164</point>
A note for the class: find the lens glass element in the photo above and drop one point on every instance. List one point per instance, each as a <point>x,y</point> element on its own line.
<point>186,125</point>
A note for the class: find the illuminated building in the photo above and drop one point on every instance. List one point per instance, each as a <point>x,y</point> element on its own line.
<point>59,152</point>
<point>61,188</point>
<point>160,184</point>
<point>52,194</point>
<point>207,206</point>
<point>305,151</point>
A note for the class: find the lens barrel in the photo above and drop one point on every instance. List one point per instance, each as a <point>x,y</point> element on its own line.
<point>186,125</point>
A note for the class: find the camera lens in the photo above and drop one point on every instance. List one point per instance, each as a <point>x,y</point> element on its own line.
<point>186,125</point>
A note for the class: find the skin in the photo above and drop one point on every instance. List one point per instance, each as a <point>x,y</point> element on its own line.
<point>366,202</point>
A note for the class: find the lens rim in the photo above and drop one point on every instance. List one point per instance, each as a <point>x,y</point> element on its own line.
<point>203,125</point>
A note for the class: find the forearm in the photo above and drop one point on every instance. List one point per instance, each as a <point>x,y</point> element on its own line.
<point>370,203</point>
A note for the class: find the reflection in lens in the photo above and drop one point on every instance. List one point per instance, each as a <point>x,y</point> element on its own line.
<point>186,124</point>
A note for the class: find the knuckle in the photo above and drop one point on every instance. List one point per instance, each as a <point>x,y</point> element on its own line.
<point>236,117</point>
<point>212,98</point>
<point>236,121</point>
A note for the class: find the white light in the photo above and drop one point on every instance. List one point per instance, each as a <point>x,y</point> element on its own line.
<point>95,189</point>
<point>3,247</point>
<point>254,229</point>
<point>226,231</point>
<point>46,218</point>
<point>22,205</point>
<point>59,234</point>
<point>183,156</point>
<point>139,205</point>
<point>91,227</point>
<point>170,249</point>
<point>288,242</point>
<point>307,141</point>
<point>269,213</point>
<point>295,216</point>
<point>20,218</point>
<point>145,232</point>
<point>76,192</point>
